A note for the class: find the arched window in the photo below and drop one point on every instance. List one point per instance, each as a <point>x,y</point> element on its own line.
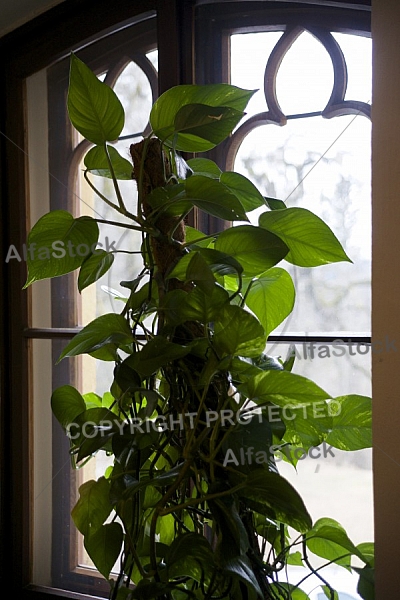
<point>302,141</point>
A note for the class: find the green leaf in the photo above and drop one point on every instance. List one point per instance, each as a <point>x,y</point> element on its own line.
<point>196,305</point>
<point>169,201</point>
<point>147,590</point>
<point>168,105</point>
<point>66,404</point>
<point>205,307</point>
<point>368,551</point>
<point>193,235</point>
<point>288,363</point>
<point>274,203</point>
<point>94,267</point>
<point>165,529</point>
<point>107,353</point>
<point>366,583</point>
<point>58,244</point>
<point>351,423</point>
<point>295,559</point>
<point>107,329</point>
<point>282,388</point>
<point>93,106</point>
<point>329,540</point>
<point>189,554</point>
<point>208,123</point>
<point>157,353</point>
<point>161,481</point>
<point>92,431</point>
<point>96,163</point>
<point>241,568</point>
<point>93,506</point>
<point>200,273</point>
<point>328,593</point>
<point>236,331</point>
<point>310,240</point>
<point>271,298</point>
<point>256,433</point>
<point>124,593</point>
<point>265,363</point>
<point>256,249</point>
<point>276,493</point>
<point>205,167</point>
<point>308,426</point>
<point>219,262</point>
<point>126,377</point>
<point>245,191</point>
<point>92,400</point>
<point>104,546</point>
<point>233,539</point>
<point>281,591</point>
<point>214,198</point>
<point>143,299</point>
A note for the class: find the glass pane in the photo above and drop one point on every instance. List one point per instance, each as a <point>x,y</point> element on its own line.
<point>59,559</point>
<point>134,90</point>
<point>249,74</point>
<point>323,166</point>
<point>305,78</point>
<point>43,472</point>
<point>336,484</point>
<point>358,53</point>
<point>53,477</point>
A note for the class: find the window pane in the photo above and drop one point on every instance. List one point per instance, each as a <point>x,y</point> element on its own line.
<point>293,163</point>
<point>250,73</point>
<point>305,77</point>
<point>42,461</point>
<point>136,93</point>
<point>336,484</point>
<point>322,165</point>
<point>358,53</point>
<point>56,182</point>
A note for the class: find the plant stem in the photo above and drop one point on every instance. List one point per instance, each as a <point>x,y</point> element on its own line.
<point>96,191</point>
<point>205,498</point>
<point>124,225</point>
<point>114,180</point>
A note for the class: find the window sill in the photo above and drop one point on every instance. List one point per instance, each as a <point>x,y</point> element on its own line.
<point>36,592</point>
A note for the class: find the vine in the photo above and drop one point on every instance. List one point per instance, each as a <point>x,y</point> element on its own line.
<point>190,389</point>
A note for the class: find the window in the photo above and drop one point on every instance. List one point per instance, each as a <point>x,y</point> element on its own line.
<point>322,165</point>
<point>217,39</point>
<point>127,61</point>
<point>306,140</point>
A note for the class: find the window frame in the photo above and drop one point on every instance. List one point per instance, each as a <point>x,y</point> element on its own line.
<point>101,56</point>
<point>30,49</point>
<point>245,17</point>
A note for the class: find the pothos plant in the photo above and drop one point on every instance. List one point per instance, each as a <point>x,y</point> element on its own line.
<point>193,505</point>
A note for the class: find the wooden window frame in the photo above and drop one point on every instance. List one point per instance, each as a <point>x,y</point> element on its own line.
<point>28,50</point>
<point>101,56</point>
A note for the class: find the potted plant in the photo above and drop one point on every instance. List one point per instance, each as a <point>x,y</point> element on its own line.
<point>194,505</point>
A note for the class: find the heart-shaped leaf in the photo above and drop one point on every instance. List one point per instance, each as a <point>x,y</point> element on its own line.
<point>96,163</point>
<point>58,244</point>
<point>310,240</point>
<point>172,103</point>
<point>107,329</point>
<point>93,107</point>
